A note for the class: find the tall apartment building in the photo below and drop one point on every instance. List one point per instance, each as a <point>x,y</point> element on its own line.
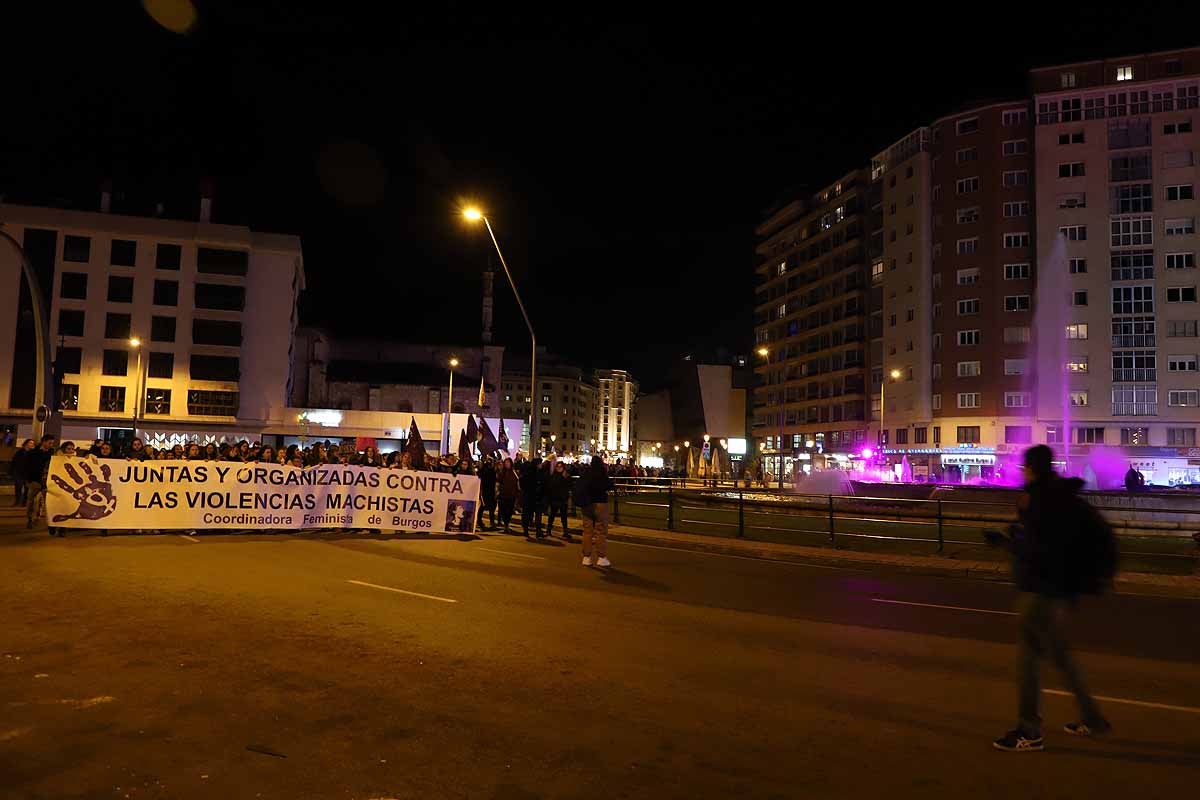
<point>956,274</point>
<point>810,327</point>
<point>566,400</point>
<point>616,412</point>
<point>1117,144</point>
<point>213,308</point>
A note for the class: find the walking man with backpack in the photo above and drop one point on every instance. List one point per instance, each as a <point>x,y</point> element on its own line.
<point>1061,548</point>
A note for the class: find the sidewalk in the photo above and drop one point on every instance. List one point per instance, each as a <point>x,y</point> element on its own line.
<point>1184,585</point>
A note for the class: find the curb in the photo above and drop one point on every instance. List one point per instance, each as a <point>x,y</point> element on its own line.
<point>1187,585</point>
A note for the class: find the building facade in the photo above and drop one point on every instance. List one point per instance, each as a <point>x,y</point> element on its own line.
<point>810,327</point>
<point>566,403</point>
<point>180,328</point>
<point>1032,280</point>
<point>956,277</point>
<point>1117,145</point>
<point>616,412</point>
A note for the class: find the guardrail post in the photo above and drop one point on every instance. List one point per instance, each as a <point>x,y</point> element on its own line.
<point>832,540</point>
<point>741,516</point>
<point>670,508</point>
<point>616,508</point>
<point>941,538</point>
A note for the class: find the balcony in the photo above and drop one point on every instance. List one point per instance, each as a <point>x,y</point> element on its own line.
<point>1143,375</point>
<point>1133,340</point>
<point>1135,409</point>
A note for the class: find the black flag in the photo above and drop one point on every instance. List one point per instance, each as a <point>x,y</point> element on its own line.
<point>415,446</point>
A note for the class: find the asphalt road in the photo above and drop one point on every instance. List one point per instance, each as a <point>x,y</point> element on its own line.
<point>323,666</point>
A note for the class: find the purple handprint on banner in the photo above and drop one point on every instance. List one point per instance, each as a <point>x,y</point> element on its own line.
<point>92,492</point>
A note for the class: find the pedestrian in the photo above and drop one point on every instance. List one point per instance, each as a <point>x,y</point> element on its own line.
<point>1051,520</point>
<point>370,458</point>
<point>487,493</point>
<point>36,464</point>
<point>267,455</point>
<point>558,491</point>
<point>533,486</point>
<point>591,497</point>
<point>508,486</point>
<point>137,451</point>
<point>17,470</point>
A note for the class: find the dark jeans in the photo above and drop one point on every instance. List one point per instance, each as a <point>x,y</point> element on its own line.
<point>490,507</point>
<point>507,504</point>
<point>531,512</point>
<point>18,492</point>
<point>559,510</point>
<point>1043,636</point>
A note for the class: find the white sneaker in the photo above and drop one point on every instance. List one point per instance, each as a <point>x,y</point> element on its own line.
<point>603,562</point>
<point>587,561</point>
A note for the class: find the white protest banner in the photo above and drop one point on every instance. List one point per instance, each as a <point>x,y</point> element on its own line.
<point>130,495</point>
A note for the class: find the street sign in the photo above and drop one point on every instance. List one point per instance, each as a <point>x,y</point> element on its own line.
<point>707,448</point>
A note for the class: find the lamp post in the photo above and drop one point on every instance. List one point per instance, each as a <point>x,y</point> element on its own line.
<point>553,438</point>
<point>473,214</point>
<point>450,400</point>
<point>136,344</point>
<point>894,375</point>
<point>764,353</point>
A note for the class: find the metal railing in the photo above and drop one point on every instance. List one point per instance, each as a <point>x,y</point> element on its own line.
<point>730,508</point>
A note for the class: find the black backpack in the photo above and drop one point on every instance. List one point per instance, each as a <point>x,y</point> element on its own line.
<point>1093,554</point>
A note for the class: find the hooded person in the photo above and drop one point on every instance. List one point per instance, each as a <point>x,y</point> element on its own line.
<point>1051,520</point>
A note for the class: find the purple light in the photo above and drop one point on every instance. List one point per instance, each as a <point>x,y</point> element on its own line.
<point>867,452</point>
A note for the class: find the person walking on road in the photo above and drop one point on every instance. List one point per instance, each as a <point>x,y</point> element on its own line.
<point>1052,521</point>
<point>558,490</point>
<point>533,489</point>
<point>20,492</point>
<point>591,496</point>
<point>509,488</point>
<point>37,463</point>
<point>487,493</point>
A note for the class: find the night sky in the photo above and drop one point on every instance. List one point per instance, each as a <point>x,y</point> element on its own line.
<point>623,159</point>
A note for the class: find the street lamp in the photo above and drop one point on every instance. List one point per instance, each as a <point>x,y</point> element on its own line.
<point>764,352</point>
<point>553,438</point>
<point>894,375</point>
<point>138,383</point>
<point>450,400</point>
<point>472,214</point>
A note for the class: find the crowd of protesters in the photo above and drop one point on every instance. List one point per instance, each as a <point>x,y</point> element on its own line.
<point>540,490</point>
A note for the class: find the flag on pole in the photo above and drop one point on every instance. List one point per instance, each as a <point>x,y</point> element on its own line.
<point>464,450</point>
<point>482,393</point>
<point>503,437</point>
<point>415,446</point>
<point>472,431</point>
<point>487,440</point>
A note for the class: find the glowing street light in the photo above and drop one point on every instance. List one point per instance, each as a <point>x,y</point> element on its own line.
<point>139,382</point>
<point>474,214</point>
<point>895,375</point>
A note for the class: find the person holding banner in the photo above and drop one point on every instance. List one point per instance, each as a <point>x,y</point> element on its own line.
<point>36,463</point>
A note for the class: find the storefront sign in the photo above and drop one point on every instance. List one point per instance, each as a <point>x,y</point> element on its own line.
<point>737,447</point>
<point>127,495</point>
<point>981,460</point>
<point>326,418</point>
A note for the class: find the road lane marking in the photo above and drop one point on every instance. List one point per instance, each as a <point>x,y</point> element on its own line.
<point>743,558</point>
<point>506,553</point>
<point>189,538</point>
<point>936,605</point>
<point>1124,701</point>
<point>403,591</point>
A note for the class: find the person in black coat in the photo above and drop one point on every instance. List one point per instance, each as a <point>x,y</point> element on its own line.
<point>487,493</point>
<point>533,490</point>
<point>1049,520</point>
<point>558,490</point>
<point>18,472</point>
